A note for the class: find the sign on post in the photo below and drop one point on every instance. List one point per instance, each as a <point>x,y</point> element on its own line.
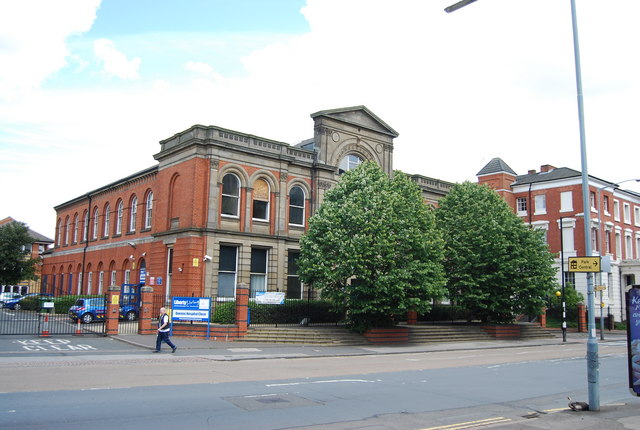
<point>584,264</point>
<point>633,338</point>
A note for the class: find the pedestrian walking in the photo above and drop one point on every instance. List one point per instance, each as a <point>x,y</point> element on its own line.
<point>163,331</point>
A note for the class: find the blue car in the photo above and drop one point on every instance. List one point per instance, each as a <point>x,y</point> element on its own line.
<point>15,304</point>
<point>88,310</point>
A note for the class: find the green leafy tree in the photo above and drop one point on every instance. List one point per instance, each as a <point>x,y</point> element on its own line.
<point>15,262</point>
<point>497,266</point>
<point>373,248</point>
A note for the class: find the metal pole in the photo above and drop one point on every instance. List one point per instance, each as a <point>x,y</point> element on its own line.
<point>593,371</point>
<point>564,303</point>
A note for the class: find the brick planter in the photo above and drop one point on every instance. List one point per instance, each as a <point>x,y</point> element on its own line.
<point>503,331</point>
<point>391,335</point>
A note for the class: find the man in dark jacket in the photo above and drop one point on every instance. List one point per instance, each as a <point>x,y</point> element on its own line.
<point>163,331</point>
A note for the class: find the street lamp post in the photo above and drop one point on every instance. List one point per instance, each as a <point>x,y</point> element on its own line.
<point>564,302</point>
<point>593,373</point>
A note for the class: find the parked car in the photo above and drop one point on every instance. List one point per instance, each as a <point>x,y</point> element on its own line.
<point>15,303</point>
<point>88,310</point>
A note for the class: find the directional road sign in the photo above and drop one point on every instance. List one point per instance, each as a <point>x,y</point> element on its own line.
<point>584,264</point>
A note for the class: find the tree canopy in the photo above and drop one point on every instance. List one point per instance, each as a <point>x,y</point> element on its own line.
<point>15,246</point>
<point>373,248</point>
<point>497,266</point>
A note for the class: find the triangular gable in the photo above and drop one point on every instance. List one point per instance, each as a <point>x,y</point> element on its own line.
<point>359,116</point>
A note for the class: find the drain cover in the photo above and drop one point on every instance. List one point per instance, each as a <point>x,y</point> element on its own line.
<point>270,401</point>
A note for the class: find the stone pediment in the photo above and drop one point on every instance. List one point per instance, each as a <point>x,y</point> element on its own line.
<point>358,116</point>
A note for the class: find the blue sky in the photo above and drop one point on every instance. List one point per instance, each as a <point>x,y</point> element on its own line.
<point>88,88</point>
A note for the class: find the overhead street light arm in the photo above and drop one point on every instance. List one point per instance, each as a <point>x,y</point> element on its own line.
<point>460,4</point>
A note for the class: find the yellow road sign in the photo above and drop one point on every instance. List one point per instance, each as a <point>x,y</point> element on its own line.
<point>584,264</point>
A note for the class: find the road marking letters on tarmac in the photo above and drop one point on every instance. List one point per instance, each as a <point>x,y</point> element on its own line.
<point>53,345</point>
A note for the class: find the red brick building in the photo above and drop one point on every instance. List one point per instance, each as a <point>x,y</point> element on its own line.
<point>551,199</point>
<point>218,208</point>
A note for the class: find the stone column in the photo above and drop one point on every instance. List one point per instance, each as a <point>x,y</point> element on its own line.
<point>113,310</point>
<point>146,311</point>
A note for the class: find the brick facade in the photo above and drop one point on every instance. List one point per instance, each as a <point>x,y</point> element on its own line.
<point>553,196</point>
<point>192,234</point>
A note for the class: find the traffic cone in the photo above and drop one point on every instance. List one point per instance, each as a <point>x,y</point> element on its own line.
<point>45,326</point>
<point>78,329</point>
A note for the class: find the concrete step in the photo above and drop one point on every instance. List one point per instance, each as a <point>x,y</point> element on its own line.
<point>315,335</point>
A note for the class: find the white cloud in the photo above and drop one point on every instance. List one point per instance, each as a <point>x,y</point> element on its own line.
<point>494,79</point>
<point>115,62</point>
<point>32,38</point>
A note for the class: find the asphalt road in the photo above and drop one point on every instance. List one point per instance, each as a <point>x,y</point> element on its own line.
<point>100,382</point>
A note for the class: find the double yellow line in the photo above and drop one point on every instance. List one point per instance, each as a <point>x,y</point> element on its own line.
<point>485,422</point>
<point>470,424</point>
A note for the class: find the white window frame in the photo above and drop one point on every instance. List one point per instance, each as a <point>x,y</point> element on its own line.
<point>636,216</point>
<point>100,281</point>
<point>229,197</point>
<point>626,211</point>
<point>107,220</point>
<point>540,201</point>
<point>148,210</point>
<point>67,224</point>
<point>616,210</point>
<point>133,213</point>
<point>521,206</point>
<point>79,283</point>
<point>566,201</point>
<point>75,228</point>
<point>96,214</point>
<point>89,282</point>
<point>225,271</point>
<point>628,246</point>
<point>85,229</point>
<point>114,279</point>
<point>268,206</point>
<point>300,208</point>
<point>119,217</point>
<point>127,276</point>
<point>256,277</point>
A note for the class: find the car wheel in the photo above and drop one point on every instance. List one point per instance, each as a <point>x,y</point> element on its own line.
<point>17,307</point>
<point>131,316</point>
<point>87,318</point>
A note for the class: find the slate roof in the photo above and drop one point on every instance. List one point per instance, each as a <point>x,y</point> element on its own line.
<point>553,175</point>
<point>496,165</point>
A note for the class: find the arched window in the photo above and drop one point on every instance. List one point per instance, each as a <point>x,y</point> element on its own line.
<point>67,227</point>
<point>349,162</point>
<point>133,212</point>
<point>107,220</point>
<point>85,226</point>
<point>75,228</point>
<point>148,210</point>
<point>119,216</point>
<point>296,206</point>
<point>60,232</point>
<point>95,224</point>
<point>230,195</point>
<point>261,200</point>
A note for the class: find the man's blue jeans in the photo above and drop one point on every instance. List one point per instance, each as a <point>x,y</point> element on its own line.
<point>163,336</point>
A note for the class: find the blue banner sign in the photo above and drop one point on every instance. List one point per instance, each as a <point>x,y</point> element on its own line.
<point>633,338</point>
<point>191,309</point>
